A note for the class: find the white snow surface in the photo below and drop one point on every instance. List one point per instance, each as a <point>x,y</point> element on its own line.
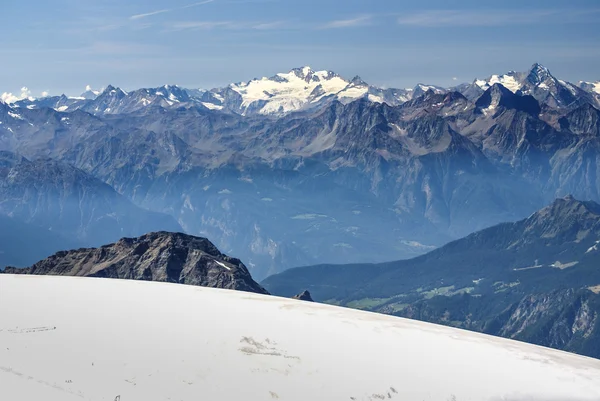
<point>64,338</point>
<point>15,115</point>
<point>290,92</point>
<point>506,80</point>
<point>223,265</point>
<point>212,106</point>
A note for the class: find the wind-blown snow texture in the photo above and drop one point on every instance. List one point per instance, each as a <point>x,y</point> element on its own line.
<point>95,339</point>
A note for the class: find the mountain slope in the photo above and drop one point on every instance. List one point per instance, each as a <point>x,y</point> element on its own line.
<point>23,244</point>
<point>56,196</point>
<point>559,241</point>
<point>566,319</point>
<point>499,280</point>
<point>160,256</point>
<point>153,341</point>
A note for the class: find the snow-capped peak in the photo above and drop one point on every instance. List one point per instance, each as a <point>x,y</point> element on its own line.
<point>510,81</point>
<point>299,89</point>
<point>357,81</point>
<point>306,73</point>
<point>590,86</point>
<point>113,90</point>
<point>90,93</point>
<point>538,73</point>
<point>287,92</point>
<point>537,76</point>
<point>539,83</point>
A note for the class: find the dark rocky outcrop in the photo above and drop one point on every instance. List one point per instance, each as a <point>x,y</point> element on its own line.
<point>304,296</point>
<point>160,256</point>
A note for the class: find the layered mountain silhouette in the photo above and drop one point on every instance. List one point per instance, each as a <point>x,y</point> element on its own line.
<point>308,167</point>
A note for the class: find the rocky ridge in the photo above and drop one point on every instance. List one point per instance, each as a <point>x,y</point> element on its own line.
<point>160,256</point>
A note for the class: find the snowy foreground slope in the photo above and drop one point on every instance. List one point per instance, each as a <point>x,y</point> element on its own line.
<point>64,338</point>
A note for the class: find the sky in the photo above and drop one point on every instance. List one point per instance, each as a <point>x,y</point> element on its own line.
<point>61,46</point>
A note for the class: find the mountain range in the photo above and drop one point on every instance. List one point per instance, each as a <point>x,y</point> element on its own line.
<point>535,280</point>
<point>308,167</point>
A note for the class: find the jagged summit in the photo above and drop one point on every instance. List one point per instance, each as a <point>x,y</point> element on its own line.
<point>305,73</point>
<point>539,83</point>
<point>304,296</point>
<point>538,74</point>
<point>566,211</point>
<point>498,97</point>
<point>91,94</point>
<point>112,90</point>
<point>157,256</point>
<point>358,81</point>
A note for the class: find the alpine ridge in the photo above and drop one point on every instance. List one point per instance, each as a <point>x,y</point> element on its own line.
<point>160,256</point>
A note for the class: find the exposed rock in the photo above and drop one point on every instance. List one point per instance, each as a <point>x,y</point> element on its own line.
<point>561,319</point>
<point>160,256</point>
<point>304,296</point>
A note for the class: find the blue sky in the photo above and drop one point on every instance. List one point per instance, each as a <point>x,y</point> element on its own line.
<point>64,45</point>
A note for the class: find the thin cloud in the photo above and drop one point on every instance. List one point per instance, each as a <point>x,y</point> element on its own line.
<point>250,1</point>
<point>140,16</point>
<point>475,18</point>
<point>168,10</point>
<point>198,25</point>
<point>348,23</point>
<point>9,98</point>
<point>228,25</point>
<point>195,4</point>
<point>268,25</point>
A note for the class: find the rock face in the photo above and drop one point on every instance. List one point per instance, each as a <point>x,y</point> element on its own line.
<point>160,256</point>
<point>565,319</point>
<point>304,296</point>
